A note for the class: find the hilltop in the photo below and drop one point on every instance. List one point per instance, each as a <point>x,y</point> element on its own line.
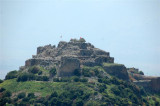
<point>77,73</point>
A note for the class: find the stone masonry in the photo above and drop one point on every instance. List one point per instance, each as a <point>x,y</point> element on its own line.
<point>68,56</point>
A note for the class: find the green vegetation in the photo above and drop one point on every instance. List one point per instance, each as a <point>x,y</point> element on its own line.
<point>92,71</point>
<point>21,95</point>
<point>77,72</point>
<point>140,72</point>
<point>53,72</point>
<point>38,70</point>
<point>34,69</point>
<point>111,64</point>
<point>73,91</point>
<point>29,77</point>
<point>11,75</point>
<point>90,86</point>
<point>1,81</point>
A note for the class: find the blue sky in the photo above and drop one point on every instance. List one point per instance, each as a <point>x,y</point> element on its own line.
<point>128,29</point>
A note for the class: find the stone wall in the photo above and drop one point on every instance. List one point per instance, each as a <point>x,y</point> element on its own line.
<point>155,84</point>
<point>68,56</point>
<point>119,71</point>
<point>67,66</point>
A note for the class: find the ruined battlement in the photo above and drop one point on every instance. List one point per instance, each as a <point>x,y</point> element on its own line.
<point>84,54</point>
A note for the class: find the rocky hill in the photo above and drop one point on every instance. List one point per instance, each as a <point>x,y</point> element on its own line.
<point>75,73</point>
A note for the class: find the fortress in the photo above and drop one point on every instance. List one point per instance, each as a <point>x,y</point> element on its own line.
<point>73,55</point>
<point>68,56</point>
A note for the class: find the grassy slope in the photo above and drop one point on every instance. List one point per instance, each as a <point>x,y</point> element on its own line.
<point>44,88</point>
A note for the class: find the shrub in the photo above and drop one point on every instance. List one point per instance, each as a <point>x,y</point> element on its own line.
<point>54,94</point>
<point>7,94</point>
<point>66,79</point>
<point>25,99</point>
<point>76,79</point>
<point>92,71</point>
<point>77,72</point>
<point>42,78</point>
<point>1,81</point>
<point>34,69</point>
<point>102,87</point>
<point>56,80</point>
<point>5,100</point>
<point>2,89</point>
<point>11,75</point>
<point>21,95</point>
<point>45,78</point>
<point>157,103</point>
<point>79,102</point>
<point>84,80</point>
<point>140,72</point>
<point>85,71</point>
<point>26,77</point>
<point>31,95</point>
<point>53,71</point>
<point>40,73</point>
<point>116,91</point>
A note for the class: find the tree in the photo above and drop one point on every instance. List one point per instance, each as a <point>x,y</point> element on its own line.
<point>76,79</point>
<point>54,94</point>
<point>77,72</point>
<point>53,71</point>
<point>21,95</point>
<point>7,94</point>
<point>1,81</point>
<point>2,89</point>
<point>26,77</point>
<point>31,95</point>
<point>11,75</point>
<point>84,80</point>
<point>141,72</point>
<point>45,78</point>
<point>34,69</point>
<point>79,102</point>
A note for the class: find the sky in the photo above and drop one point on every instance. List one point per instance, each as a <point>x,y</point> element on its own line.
<point>128,29</point>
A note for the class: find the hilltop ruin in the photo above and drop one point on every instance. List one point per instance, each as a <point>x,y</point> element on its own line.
<point>70,56</point>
